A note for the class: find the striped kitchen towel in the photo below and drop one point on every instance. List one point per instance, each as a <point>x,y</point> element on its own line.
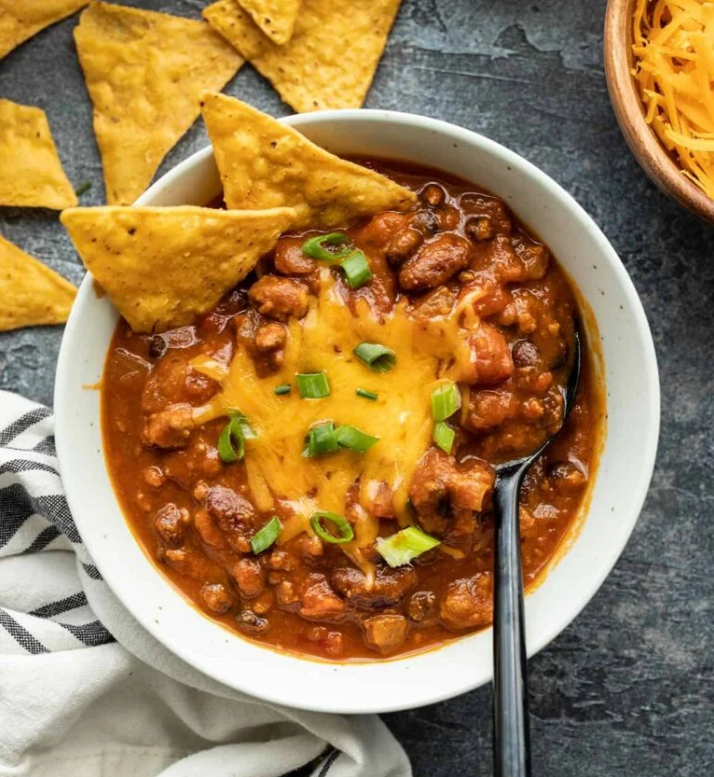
<point>86,691</point>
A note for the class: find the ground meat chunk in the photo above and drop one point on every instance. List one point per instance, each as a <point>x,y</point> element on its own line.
<point>170,428</point>
<point>534,258</point>
<point>481,206</point>
<point>230,510</point>
<point>252,624</point>
<point>566,477</point>
<point>491,360</point>
<point>438,477</point>
<point>216,598</point>
<point>435,262</point>
<point>488,409</point>
<point>154,476</point>
<point>421,607</point>
<point>381,500</point>
<point>319,600</point>
<point>279,298</point>
<point>289,258</point>
<point>390,586</point>
<point>480,228</point>
<point>270,337</point>
<point>331,642</point>
<point>432,195</point>
<point>468,603</point>
<point>249,577</point>
<point>170,523</point>
<point>280,560</point>
<point>385,633</point>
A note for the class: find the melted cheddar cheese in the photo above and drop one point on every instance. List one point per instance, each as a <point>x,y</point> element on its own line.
<point>428,352</point>
<point>674,69</point>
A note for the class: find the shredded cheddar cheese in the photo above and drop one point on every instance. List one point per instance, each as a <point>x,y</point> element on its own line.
<point>428,352</point>
<point>674,69</point>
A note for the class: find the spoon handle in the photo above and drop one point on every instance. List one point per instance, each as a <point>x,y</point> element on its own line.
<point>511,743</point>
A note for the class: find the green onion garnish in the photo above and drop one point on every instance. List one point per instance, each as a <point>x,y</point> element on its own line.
<point>367,394</point>
<point>231,442</point>
<point>284,389</point>
<point>445,401</point>
<point>314,247</point>
<point>355,439</point>
<point>343,527</point>
<point>356,269</point>
<point>444,436</point>
<point>266,536</point>
<point>82,188</point>
<point>404,546</point>
<point>247,430</point>
<point>313,385</point>
<point>321,439</point>
<point>377,357</point>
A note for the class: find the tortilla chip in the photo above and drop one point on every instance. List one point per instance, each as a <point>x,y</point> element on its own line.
<point>163,267</point>
<point>31,174</point>
<point>331,57</point>
<point>31,293</point>
<point>21,19</point>
<point>145,72</point>
<point>276,18</point>
<point>264,164</point>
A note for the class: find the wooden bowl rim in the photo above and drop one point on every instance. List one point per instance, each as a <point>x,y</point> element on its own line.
<point>630,114</point>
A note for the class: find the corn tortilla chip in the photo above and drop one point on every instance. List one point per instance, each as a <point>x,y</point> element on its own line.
<point>145,72</point>
<point>31,173</point>
<point>264,164</point>
<point>31,293</point>
<point>163,267</point>
<point>276,18</point>
<point>21,19</point>
<point>331,58</point>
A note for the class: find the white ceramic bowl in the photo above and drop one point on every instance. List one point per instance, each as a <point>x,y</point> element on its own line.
<point>625,467</point>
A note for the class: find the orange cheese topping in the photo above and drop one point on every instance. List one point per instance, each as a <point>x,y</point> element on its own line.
<point>427,353</point>
<point>674,69</point>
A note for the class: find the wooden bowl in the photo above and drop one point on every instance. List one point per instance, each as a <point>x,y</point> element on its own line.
<point>630,113</point>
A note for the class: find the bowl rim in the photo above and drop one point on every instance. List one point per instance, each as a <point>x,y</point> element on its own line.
<point>431,693</point>
<point>630,114</point>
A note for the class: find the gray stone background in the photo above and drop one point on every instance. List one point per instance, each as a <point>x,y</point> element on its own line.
<point>628,689</point>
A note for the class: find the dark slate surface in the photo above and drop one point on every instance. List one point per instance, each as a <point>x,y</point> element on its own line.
<point>628,689</point>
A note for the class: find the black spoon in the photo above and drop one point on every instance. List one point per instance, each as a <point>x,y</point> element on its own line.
<point>511,739</point>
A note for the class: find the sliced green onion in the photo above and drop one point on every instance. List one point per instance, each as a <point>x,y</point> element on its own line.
<point>266,536</point>
<point>355,439</point>
<point>83,188</point>
<point>445,401</point>
<point>444,436</point>
<point>321,439</point>
<point>343,527</point>
<point>356,269</point>
<point>284,389</point>
<point>404,546</point>
<point>231,442</point>
<point>314,247</point>
<point>313,385</point>
<point>377,357</point>
<point>367,394</point>
<point>248,432</point>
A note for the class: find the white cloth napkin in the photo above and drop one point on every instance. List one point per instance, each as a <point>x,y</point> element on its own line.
<point>86,691</point>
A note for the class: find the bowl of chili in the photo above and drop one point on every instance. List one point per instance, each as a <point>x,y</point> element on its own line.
<point>623,364</point>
